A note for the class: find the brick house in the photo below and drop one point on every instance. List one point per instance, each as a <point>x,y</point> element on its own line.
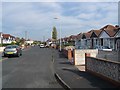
<point>7,38</point>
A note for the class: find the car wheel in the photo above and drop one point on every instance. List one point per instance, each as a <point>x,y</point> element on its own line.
<point>18,54</point>
<point>4,55</point>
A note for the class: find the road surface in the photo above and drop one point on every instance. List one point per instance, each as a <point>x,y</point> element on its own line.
<point>34,69</point>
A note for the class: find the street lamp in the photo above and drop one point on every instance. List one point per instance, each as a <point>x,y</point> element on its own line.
<point>60,32</point>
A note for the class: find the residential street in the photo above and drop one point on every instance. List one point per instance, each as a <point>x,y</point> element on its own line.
<point>34,69</point>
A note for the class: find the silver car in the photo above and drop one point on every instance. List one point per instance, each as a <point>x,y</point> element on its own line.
<point>12,50</point>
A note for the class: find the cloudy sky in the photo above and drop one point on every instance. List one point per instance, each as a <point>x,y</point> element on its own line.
<point>37,18</point>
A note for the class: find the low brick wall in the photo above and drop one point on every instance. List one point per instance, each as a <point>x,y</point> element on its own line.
<point>79,55</point>
<point>109,70</point>
<point>65,53</point>
<point>68,54</point>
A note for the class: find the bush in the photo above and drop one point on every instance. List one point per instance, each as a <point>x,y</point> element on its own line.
<point>4,44</point>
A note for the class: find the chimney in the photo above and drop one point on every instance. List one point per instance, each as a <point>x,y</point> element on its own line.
<point>117,26</point>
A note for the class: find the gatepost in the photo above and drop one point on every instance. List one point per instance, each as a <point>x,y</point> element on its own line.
<point>86,55</point>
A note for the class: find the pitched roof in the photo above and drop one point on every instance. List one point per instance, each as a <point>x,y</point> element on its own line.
<point>6,35</point>
<point>110,30</point>
<point>109,27</point>
<point>86,35</point>
<point>72,37</point>
<point>96,32</point>
<point>66,38</point>
<point>79,36</point>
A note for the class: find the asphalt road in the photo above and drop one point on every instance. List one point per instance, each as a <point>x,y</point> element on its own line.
<point>34,69</point>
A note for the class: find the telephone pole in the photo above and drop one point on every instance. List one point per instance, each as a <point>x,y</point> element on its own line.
<point>25,35</point>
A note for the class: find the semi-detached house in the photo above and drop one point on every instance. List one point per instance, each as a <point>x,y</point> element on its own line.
<point>106,36</point>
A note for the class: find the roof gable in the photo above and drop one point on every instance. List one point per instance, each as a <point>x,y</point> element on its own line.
<point>104,35</point>
<point>117,34</point>
<point>93,35</point>
<point>86,35</point>
<point>110,30</point>
<point>79,36</point>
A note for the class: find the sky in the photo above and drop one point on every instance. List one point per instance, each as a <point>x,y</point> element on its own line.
<point>37,17</point>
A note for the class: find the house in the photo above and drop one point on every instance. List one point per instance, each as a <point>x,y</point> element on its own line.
<point>72,39</point>
<point>117,41</point>
<point>86,40</point>
<point>78,40</point>
<point>29,42</point>
<point>65,40</point>
<point>95,41</point>
<point>0,37</point>
<point>107,36</point>
<point>7,38</point>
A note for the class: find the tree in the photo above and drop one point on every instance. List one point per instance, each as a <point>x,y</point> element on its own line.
<point>54,33</point>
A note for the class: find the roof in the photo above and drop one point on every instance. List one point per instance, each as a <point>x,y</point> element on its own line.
<point>86,35</point>
<point>96,32</point>
<point>7,36</point>
<point>110,30</point>
<point>66,38</point>
<point>73,37</point>
<point>79,36</point>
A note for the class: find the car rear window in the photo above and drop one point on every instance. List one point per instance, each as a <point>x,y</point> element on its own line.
<point>14,46</point>
<point>8,47</point>
<point>11,46</point>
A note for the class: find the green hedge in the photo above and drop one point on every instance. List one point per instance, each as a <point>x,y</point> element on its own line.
<point>4,45</point>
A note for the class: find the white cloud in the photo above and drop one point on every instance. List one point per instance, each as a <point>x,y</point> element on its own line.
<point>37,18</point>
<point>60,0</point>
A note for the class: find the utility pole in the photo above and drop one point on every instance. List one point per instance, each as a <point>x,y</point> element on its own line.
<point>60,33</point>
<point>43,38</point>
<point>25,38</point>
<point>25,35</point>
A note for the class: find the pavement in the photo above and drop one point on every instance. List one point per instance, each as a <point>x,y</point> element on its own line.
<point>73,77</point>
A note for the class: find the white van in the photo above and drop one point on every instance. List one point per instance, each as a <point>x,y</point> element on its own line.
<point>42,45</point>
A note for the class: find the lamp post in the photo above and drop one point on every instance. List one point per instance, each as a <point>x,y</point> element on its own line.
<point>60,34</point>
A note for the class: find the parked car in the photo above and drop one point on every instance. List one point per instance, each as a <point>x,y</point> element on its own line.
<point>12,50</point>
<point>42,45</point>
<point>103,48</point>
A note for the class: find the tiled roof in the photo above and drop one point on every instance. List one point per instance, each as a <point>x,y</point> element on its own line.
<point>6,35</point>
<point>97,32</point>
<point>87,35</point>
<point>109,27</point>
<point>66,38</point>
<point>79,36</point>
<point>73,37</point>
<point>110,30</point>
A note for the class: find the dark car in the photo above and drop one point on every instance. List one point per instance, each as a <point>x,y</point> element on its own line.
<point>12,50</point>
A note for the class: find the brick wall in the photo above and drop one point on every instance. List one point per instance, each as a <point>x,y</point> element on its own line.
<point>68,54</point>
